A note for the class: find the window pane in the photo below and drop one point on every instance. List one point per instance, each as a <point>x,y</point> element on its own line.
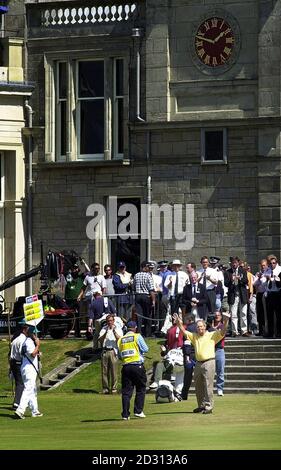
<point>62,80</point>
<point>91,79</point>
<point>119,77</point>
<point>127,250</point>
<point>214,145</point>
<point>120,127</point>
<point>63,127</point>
<point>92,127</point>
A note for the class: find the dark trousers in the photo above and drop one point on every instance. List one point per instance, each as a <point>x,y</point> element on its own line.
<point>211,294</point>
<point>176,303</point>
<point>187,380</point>
<point>19,386</point>
<point>260,312</point>
<point>133,375</point>
<point>143,307</point>
<point>72,303</point>
<point>273,305</point>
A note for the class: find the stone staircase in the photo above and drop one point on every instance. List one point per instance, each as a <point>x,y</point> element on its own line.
<point>252,366</point>
<point>68,369</point>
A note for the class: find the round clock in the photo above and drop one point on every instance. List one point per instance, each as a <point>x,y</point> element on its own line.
<point>216,43</point>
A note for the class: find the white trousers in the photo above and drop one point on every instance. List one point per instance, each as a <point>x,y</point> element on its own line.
<point>238,309</point>
<point>179,374</point>
<point>29,394</point>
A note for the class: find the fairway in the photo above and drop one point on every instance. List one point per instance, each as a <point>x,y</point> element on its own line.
<point>92,421</point>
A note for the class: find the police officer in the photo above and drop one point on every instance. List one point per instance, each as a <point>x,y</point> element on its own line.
<point>131,349</point>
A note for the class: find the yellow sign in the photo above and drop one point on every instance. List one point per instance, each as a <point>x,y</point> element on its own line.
<point>33,312</point>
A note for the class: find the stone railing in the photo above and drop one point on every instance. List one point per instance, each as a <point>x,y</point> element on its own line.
<point>79,14</point>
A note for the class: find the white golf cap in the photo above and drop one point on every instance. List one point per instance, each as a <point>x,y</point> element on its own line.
<point>177,261</point>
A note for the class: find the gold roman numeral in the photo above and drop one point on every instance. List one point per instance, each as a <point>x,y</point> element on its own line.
<point>214,22</point>
<point>222,23</point>
<point>207,60</point>
<point>201,52</point>
<point>199,43</point>
<point>215,62</point>
<point>229,40</point>
<point>227,51</point>
<point>207,26</point>
<point>223,59</point>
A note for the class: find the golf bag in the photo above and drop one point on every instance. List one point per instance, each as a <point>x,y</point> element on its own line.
<point>165,392</point>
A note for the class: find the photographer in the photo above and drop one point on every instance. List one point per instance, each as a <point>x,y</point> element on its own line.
<point>108,338</point>
<point>98,307</point>
<point>29,371</point>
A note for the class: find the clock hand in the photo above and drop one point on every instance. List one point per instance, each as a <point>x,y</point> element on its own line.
<point>219,36</point>
<point>205,39</point>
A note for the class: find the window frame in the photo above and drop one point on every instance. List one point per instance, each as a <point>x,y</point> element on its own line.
<point>94,156</point>
<point>52,132</point>
<point>116,98</point>
<point>59,156</point>
<point>222,161</point>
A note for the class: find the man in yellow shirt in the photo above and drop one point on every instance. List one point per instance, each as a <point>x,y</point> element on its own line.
<point>204,372</point>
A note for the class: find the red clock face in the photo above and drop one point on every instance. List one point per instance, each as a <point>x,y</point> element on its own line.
<point>214,42</point>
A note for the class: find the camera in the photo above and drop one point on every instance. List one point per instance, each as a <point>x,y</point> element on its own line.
<point>210,319</point>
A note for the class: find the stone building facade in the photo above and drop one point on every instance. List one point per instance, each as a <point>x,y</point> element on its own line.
<point>14,90</point>
<point>182,94</point>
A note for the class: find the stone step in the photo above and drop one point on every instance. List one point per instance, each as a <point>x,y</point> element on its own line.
<point>253,348</point>
<point>251,376</point>
<point>62,375</point>
<point>252,383</point>
<point>253,355</point>
<point>45,386</point>
<point>251,341</point>
<point>253,362</point>
<point>70,369</point>
<point>251,369</point>
<point>226,391</point>
<point>53,381</point>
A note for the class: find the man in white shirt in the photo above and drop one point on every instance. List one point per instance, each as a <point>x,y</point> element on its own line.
<point>273,298</point>
<point>93,282</point>
<point>29,372</point>
<point>209,278</point>
<point>15,363</point>
<point>108,338</point>
<point>175,283</point>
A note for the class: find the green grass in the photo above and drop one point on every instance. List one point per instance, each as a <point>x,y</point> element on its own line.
<point>89,379</point>
<point>53,353</point>
<point>91,421</point>
<point>77,417</point>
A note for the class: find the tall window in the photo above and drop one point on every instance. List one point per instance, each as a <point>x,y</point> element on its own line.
<point>118,107</point>
<point>213,146</point>
<point>128,250</point>
<point>88,118</point>
<point>61,84</point>
<point>91,108</point>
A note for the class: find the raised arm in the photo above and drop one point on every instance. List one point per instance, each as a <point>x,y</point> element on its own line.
<point>180,324</point>
<point>226,317</point>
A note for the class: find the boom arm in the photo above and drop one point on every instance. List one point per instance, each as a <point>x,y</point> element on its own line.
<point>21,277</point>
